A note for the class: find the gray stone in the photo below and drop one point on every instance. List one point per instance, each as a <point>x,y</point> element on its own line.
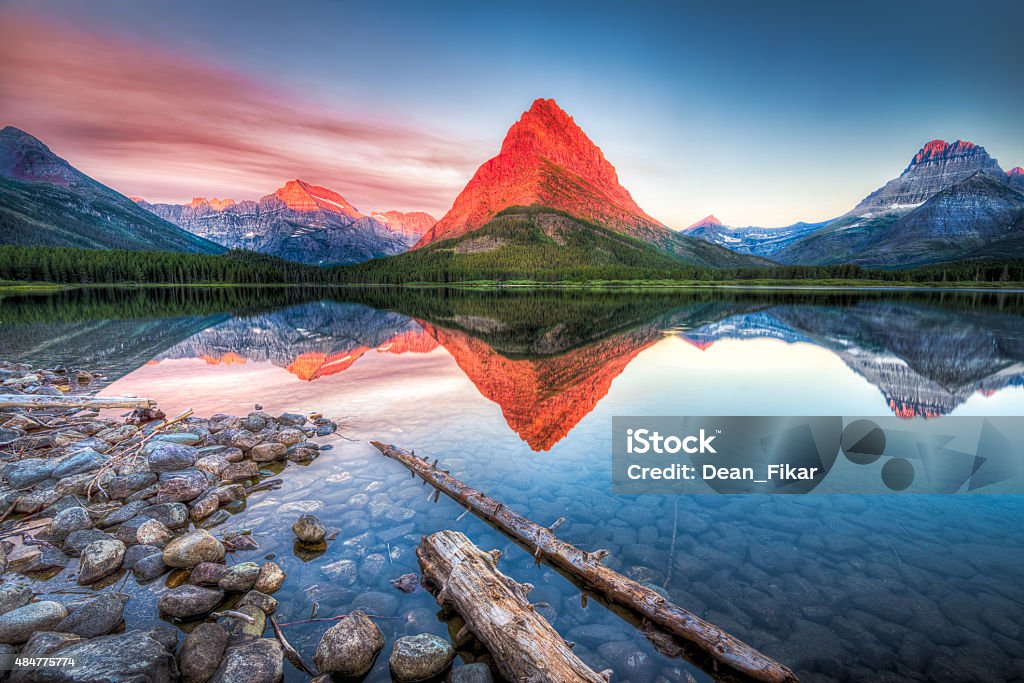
<point>171,457</point>
<point>13,596</point>
<point>342,572</point>
<point>149,567</point>
<point>85,460</point>
<point>477,672</point>
<point>240,577</point>
<point>68,520</point>
<point>260,600</point>
<point>258,662</point>
<point>121,487</point>
<point>202,652</point>
<point>204,506</point>
<point>96,617</point>
<point>192,548</point>
<point>17,625</point>
<point>268,452</point>
<point>309,529</point>
<point>152,532</point>
<point>292,419</point>
<point>420,657</point>
<point>99,559</point>
<point>135,656</point>
<point>29,471</point>
<point>207,574</point>
<point>183,438</point>
<point>375,602</point>
<point>138,552</point>
<point>122,514</point>
<point>171,515</point>
<point>187,602</point>
<point>78,540</point>
<point>349,647</point>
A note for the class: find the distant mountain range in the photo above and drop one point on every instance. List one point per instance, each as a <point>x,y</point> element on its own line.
<point>300,222</point>
<point>952,202</point>
<point>46,201</point>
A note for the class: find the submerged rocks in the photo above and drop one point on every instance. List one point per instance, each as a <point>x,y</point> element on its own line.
<point>192,548</point>
<point>420,657</point>
<point>134,656</point>
<point>202,652</point>
<point>99,559</point>
<point>19,624</point>
<point>261,661</point>
<point>309,529</point>
<point>187,602</point>
<point>349,647</point>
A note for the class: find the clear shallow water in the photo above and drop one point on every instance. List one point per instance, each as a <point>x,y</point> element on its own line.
<point>516,393</point>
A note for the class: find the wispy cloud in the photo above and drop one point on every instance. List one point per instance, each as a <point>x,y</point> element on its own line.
<point>165,126</point>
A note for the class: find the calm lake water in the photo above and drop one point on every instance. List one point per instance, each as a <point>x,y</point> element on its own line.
<point>514,392</point>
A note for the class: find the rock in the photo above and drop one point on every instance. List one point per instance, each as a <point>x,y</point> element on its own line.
<point>477,672</point>
<point>76,541</point>
<point>152,532</point>
<point>419,657</point>
<point>135,656</point>
<point>121,487</point>
<point>201,652</point>
<point>181,486</point>
<point>13,596</point>
<point>240,471</point>
<point>215,520</point>
<point>241,631</point>
<point>375,602</point>
<point>372,567</point>
<point>29,471</point>
<point>259,600</point>
<point>628,660</point>
<point>258,662</point>
<point>85,460</point>
<point>128,532</point>
<point>122,514</point>
<point>171,457</point>
<point>214,464</point>
<point>192,548</point>
<point>150,567</point>
<point>267,452</point>
<point>204,506</point>
<point>138,552</point>
<point>309,529</point>
<point>171,515</point>
<point>229,493</point>
<point>406,583</point>
<point>207,574</point>
<point>68,520</point>
<point>19,624</point>
<point>242,438</point>
<point>270,578</point>
<point>292,419</point>
<point>302,453</point>
<point>290,437</point>
<point>99,559</point>
<point>42,644</point>
<point>349,647</point>
<point>342,572</point>
<point>187,602</point>
<point>97,617</point>
<point>240,577</point>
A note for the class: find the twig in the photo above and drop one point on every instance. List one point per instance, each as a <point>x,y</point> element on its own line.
<point>338,618</point>
<point>9,510</point>
<point>672,546</point>
<point>292,653</point>
<point>232,613</point>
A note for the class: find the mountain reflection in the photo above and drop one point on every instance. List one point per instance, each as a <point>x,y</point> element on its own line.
<point>547,359</point>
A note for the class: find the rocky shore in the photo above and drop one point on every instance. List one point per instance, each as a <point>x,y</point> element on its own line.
<point>144,494</point>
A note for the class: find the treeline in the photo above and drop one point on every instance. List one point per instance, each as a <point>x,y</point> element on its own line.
<point>98,266</point>
<point>112,266</point>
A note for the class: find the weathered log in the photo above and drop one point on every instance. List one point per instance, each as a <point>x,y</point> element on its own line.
<point>523,644</point>
<point>30,401</point>
<point>586,568</point>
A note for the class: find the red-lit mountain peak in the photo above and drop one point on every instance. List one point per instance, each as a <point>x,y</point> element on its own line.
<point>545,159</point>
<point>299,195</point>
<point>940,149</point>
<point>707,221</point>
<point>1016,170</point>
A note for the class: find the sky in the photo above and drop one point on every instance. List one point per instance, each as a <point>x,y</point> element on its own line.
<point>762,113</point>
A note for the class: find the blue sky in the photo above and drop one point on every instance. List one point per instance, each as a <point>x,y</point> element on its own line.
<point>760,112</point>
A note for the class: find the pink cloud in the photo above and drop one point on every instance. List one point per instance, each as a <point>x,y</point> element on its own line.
<point>158,125</point>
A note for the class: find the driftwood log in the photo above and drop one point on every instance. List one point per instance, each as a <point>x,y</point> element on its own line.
<point>31,402</point>
<point>496,609</point>
<point>586,568</point>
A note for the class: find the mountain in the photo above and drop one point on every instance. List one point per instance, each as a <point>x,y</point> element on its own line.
<point>1016,177</point>
<point>538,243</point>
<point>764,242</point>
<point>547,160</point>
<point>951,201</point>
<point>410,226</point>
<point>299,221</point>
<point>46,201</point>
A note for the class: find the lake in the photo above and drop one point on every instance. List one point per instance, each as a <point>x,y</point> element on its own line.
<point>515,392</point>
